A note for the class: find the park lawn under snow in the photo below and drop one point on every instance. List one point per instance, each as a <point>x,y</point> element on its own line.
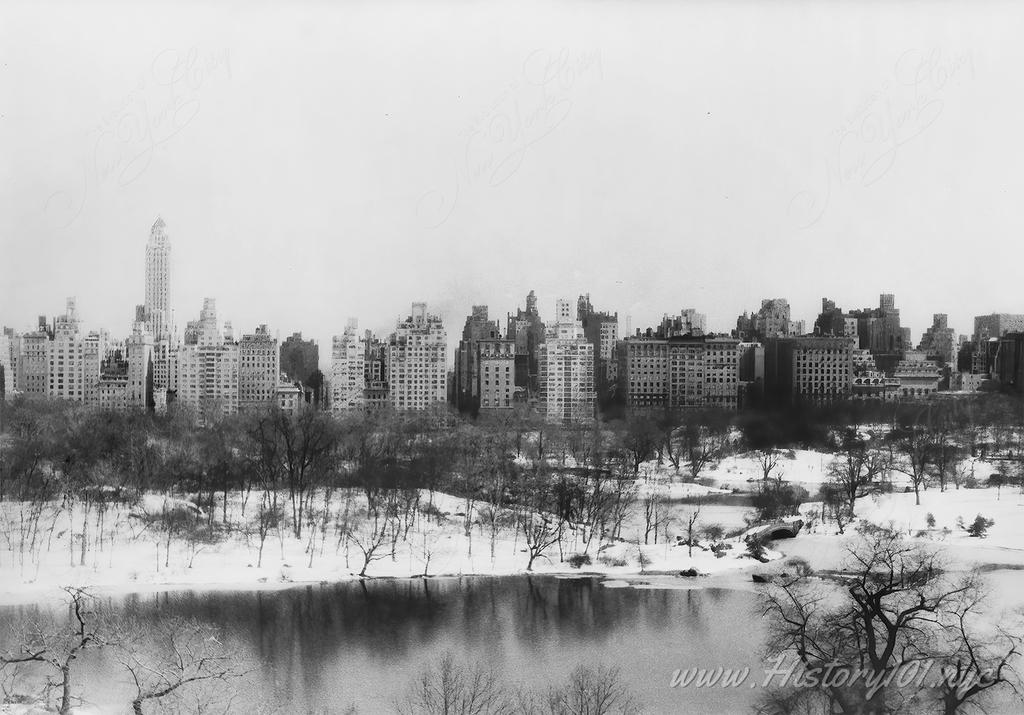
<point>1005,506</point>
<point>123,556</point>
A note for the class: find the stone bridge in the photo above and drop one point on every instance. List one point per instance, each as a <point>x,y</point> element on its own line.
<point>775,530</point>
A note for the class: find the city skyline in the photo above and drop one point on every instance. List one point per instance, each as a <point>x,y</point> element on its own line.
<point>166,314</point>
<point>465,157</point>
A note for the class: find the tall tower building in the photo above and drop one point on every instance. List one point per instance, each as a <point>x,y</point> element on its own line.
<point>67,357</point>
<point>140,368</point>
<point>348,369</point>
<point>602,330</point>
<point>157,308</point>
<point>208,367</point>
<point>417,373</point>
<point>527,330</point>
<point>259,369</point>
<point>467,358</point>
<point>566,367</point>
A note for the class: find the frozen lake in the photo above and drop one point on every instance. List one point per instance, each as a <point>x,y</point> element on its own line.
<point>324,648</point>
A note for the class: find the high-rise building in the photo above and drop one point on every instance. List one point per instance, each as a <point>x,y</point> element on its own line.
<point>417,371</point>
<point>496,377</point>
<point>939,341</point>
<point>348,369</point>
<point>527,330</point>
<point>96,350</point>
<point>157,308</point>
<point>602,330</point>
<point>375,373</point>
<point>259,369</point>
<point>10,346</point>
<point>33,373</point>
<point>918,376</point>
<point>208,367</point>
<point>772,320</point>
<point>996,325</point>
<point>300,359</point>
<point>566,370</point>
<point>139,378</point>
<point>658,372</point>
<point>67,357</point>
<point>688,322</point>
<point>467,359</point>
<point>1008,364</point>
<point>808,369</point>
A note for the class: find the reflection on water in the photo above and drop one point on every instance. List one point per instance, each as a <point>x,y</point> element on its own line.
<point>323,648</point>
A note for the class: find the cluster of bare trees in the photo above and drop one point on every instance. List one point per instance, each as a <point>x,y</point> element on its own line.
<point>455,688</point>
<point>68,474</point>
<point>896,631</point>
<point>171,658</point>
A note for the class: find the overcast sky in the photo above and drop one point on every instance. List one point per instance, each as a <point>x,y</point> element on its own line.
<point>315,161</point>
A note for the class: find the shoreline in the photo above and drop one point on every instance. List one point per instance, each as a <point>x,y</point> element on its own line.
<point>737,578</point>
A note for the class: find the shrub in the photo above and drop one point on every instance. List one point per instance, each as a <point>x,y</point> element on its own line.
<point>755,548</point>
<point>930,520</point>
<point>714,532</point>
<point>611,560</point>
<point>980,526</point>
<point>431,510</point>
<point>578,560</point>
<point>773,502</point>
<point>799,566</point>
<point>868,528</point>
<point>719,548</point>
<point>970,482</point>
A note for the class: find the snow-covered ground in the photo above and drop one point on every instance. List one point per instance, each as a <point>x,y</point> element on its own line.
<point>122,554</point>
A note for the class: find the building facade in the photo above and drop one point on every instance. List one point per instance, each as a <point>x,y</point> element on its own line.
<point>259,369</point>
<point>208,368</point>
<point>602,330</point>
<point>348,370</point>
<point>918,375</point>
<point>496,377</point>
<point>527,329</point>
<point>939,342</point>
<point>682,372</point>
<point>566,370</point>
<point>416,367</point>
<point>466,390</point>
<point>808,369</point>
<point>157,308</point>
<point>996,325</point>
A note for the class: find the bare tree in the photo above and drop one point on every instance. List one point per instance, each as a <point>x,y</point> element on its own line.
<point>592,691</point>
<point>59,647</point>
<point>541,531</point>
<point>174,655</point>
<point>691,527</point>
<point>655,515</point>
<point>912,445</point>
<point>768,459</point>
<point>451,688</point>
<point>368,540</point>
<point>856,467</point>
<point>702,440</point>
<point>894,611</point>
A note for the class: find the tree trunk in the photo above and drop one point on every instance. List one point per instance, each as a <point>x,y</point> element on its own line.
<point>65,688</point>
